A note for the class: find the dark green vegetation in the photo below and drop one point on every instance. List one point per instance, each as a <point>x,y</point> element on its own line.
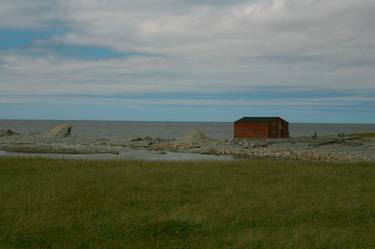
<point>365,135</point>
<point>240,204</point>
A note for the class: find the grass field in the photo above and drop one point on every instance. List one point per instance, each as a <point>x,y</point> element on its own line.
<point>175,205</point>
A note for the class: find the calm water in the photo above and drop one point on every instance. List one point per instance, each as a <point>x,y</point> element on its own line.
<point>125,129</point>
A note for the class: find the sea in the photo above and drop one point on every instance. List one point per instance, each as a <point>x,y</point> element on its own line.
<point>132,129</point>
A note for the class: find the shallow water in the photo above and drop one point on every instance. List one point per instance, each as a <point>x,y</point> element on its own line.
<point>127,130</point>
<point>126,155</point>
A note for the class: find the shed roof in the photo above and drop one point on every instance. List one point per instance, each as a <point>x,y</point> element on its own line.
<point>259,119</point>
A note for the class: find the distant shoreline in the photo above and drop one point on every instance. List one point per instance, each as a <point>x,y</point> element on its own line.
<point>131,129</point>
<point>174,121</point>
<point>60,142</point>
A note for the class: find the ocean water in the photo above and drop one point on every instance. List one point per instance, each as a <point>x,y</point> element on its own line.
<point>131,129</point>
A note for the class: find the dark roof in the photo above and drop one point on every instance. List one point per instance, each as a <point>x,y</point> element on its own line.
<point>259,119</point>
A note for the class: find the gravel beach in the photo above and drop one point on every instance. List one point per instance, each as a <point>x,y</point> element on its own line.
<point>59,143</point>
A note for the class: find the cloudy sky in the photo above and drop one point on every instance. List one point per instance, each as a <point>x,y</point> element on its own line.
<point>187,60</point>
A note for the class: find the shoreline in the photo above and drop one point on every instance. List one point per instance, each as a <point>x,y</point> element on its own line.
<point>136,154</point>
<point>58,143</point>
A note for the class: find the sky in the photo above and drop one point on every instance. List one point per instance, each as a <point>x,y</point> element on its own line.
<point>188,60</point>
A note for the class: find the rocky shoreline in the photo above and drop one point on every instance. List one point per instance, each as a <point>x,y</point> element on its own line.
<point>356,147</point>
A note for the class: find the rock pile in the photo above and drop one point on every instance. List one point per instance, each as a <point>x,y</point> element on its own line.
<point>145,142</point>
<point>192,142</point>
<point>195,137</point>
<point>309,155</point>
<point>63,130</point>
<point>8,133</point>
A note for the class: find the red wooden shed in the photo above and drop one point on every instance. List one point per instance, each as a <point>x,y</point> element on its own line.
<point>261,127</point>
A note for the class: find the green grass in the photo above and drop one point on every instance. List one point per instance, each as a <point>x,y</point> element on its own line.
<point>241,204</point>
<point>365,135</point>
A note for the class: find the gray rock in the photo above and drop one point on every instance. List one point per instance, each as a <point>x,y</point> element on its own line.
<point>196,137</point>
<point>137,139</point>
<point>158,140</point>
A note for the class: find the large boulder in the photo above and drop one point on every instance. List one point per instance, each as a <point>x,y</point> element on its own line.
<point>7,133</point>
<point>196,137</point>
<point>63,130</point>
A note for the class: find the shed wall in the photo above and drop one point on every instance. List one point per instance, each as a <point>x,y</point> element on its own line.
<point>273,129</point>
<point>256,130</point>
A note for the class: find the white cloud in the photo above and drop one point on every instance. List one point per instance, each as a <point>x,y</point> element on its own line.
<point>27,14</point>
<point>201,45</point>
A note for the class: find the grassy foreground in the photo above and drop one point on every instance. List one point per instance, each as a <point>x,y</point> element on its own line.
<point>241,204</point>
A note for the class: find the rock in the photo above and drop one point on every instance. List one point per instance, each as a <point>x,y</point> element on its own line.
<point>148,138</point>
<point>8,133</point>
<point>63,130</point>
<point>141,144</point>
<point>158,140</point>
<point>265,144</point>
<point>145,139</point>
<point>196,137</point>
<point>253,145</point>
<point>195,146</point>
<point>162,146</point>
<point>102,141</point>
<point>35,133</point>
<point>137,139</point>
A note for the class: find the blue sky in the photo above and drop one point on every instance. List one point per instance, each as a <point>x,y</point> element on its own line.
<point>306,60</point>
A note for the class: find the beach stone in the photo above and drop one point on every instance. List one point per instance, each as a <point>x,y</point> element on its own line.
<point>158,140</point>
<point>63,130</point>
<point>7,133</point>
